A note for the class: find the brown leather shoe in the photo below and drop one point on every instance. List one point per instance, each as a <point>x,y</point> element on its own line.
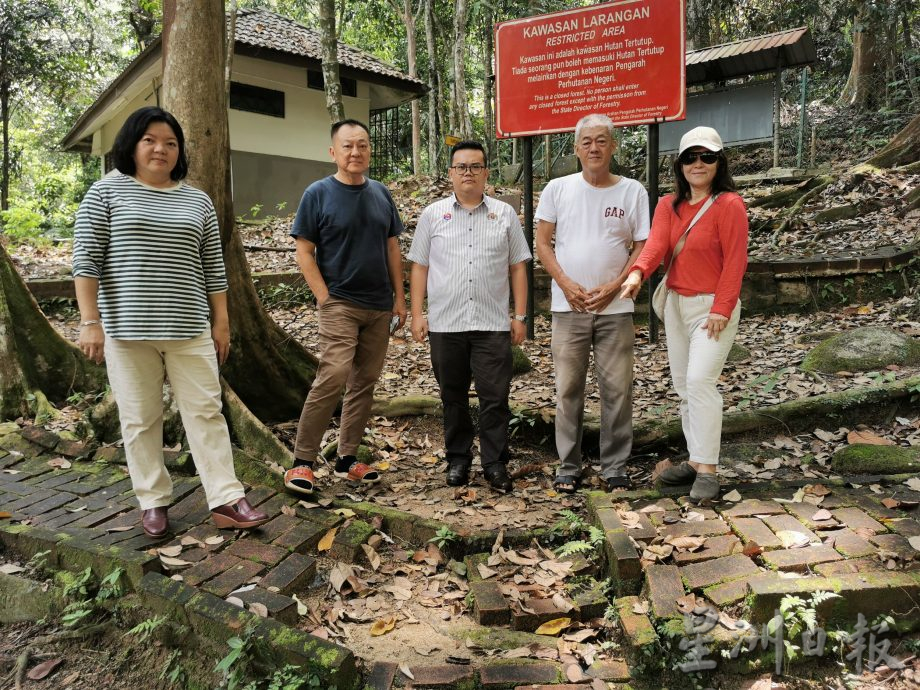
<point>239,515</point>
<point>155,522</point>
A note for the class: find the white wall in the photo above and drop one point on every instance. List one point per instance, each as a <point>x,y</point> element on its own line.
<point>304,130</point>
<point>302,133</point>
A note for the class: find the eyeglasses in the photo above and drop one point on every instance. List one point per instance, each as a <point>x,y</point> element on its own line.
<point>690,157</point>
<point>463,168</point>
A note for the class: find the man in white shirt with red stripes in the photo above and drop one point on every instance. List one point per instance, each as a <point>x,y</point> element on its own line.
<point>463,249</point>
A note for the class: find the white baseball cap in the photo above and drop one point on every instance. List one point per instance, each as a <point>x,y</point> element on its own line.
<point>706,137</point>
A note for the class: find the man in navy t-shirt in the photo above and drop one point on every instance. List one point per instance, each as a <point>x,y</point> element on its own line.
<point>347,231</point>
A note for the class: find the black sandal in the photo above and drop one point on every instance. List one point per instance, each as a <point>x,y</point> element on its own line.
<point>614,483</point>
<point>566,483</point>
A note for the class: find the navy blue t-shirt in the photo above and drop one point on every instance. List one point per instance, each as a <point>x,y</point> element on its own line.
<point>350,226</point>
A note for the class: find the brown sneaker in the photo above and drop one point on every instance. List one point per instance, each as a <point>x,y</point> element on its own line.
<point>239,515</point>
<point>155,521</point>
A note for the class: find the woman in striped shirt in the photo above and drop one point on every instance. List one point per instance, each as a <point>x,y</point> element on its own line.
<point>152,293</point>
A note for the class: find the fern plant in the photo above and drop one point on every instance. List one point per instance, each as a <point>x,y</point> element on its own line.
<point>145,628</point>
<point>798,616</point>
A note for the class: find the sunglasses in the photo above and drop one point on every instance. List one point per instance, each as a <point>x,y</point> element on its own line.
<point>689,157</point>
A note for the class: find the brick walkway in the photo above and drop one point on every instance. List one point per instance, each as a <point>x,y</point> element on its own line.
<point>656,550</point>
<point>751,553</point>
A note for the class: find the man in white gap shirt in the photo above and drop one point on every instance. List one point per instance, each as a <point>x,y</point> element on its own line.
<point>463,250</point>
<point>599,222</point>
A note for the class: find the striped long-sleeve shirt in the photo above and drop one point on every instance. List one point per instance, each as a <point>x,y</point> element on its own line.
<point>156,254</point>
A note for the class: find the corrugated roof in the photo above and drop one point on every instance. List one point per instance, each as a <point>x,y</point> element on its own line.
<point>263,29</point>
<point>790,48</point>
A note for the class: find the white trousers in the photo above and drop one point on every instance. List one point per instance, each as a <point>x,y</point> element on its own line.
<point>696,363</point>
<point>136,371</point>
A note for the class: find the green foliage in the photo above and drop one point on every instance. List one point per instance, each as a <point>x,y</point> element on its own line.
<point>798,615</point>
<point>444,536</point>
<point>252,664</point>
<point>173,671</point>
<point>89,597</point>
<point>582,538</point>
<point>285,294</point>
<point>146,628</point>
<point>23,223</point>
<point>569,523</point>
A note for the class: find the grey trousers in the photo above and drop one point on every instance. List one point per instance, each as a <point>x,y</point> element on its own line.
<point>611,336</point>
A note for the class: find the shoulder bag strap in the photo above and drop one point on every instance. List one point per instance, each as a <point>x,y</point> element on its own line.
<point>683,238</point>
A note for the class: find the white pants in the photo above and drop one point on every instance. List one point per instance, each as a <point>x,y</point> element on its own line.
<point>696,363</point>
<point>136,372</point>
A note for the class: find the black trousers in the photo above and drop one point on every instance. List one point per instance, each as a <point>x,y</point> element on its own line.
<point>485,358</point>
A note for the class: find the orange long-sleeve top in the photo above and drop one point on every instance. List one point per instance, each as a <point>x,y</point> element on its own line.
<point>714,257</point>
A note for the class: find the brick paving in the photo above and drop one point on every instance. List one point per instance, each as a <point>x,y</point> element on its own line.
<point>855,545</point>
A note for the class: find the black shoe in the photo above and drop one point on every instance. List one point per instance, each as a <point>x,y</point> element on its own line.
<point>458,474</point>
<point>497,476</point>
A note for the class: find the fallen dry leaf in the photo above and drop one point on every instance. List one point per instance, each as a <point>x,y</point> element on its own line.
<point>174,563</point>
<point>326,542</point>
<point>792,539</point>
<point>890,502</point>
<point>11,569</point>
<point>258,608</point>
<point>170,551</point>
<point>574,673</point>
<point>301,607</point>
<point>404,669</point>
<point>215,540</point>
<point>345,512</point>
<point>914,542</point>
<point>554,627</point>
<point>752,548</point>
<point>686,543</point>
<point>5,515</point>
<point>823,514</point>
<point>289,511</point>
<point>119,528</point>
<point>60,463</point>
<point>485,572</point>
<point>372,557</point>
<point>867,438</point>
<point>732,496</point>
<point>44,669</point>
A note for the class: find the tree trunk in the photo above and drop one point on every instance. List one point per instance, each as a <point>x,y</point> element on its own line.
<point>36,363</point>
<point>487,54</point>
<point>460,102</point>
<point>330,46</point>
<point>903,149</point>
<point>699,13</point>
<point>910,68</point>
<point>5,117</point>
<point>434,168</point>
<point>143,22</point>
<point>267,368</point>
<point>858,92</point>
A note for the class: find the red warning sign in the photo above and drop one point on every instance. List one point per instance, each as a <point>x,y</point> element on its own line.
<point>625,59</point>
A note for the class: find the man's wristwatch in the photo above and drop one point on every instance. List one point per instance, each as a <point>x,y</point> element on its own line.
<point>520,317</point>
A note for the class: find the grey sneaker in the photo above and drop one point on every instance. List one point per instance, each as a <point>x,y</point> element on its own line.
<point>677,475</point>
<point>705,487</point>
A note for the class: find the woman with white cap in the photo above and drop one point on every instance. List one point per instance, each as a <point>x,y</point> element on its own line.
<point>704,226</point>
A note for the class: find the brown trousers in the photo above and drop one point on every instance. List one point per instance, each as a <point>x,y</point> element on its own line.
<point>353,346</point>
